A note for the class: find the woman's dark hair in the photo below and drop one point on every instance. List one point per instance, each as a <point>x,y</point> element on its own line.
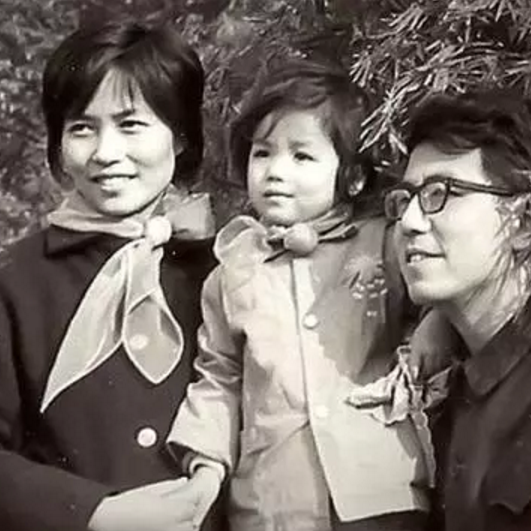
<point>307,84</point>
<point>166,69</point>
<point>496,121</point>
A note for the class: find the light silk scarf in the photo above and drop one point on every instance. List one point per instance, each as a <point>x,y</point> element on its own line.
<point>269,241</point>
<point>125,305</point>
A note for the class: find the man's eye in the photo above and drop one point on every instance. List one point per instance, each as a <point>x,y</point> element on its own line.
<point>456,193</point>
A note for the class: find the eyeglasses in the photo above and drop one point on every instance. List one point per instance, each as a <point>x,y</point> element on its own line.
<point>433,194</point>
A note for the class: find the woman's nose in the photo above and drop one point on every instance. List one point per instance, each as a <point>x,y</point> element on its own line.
<point>110,146</point>
<point>414,219</point>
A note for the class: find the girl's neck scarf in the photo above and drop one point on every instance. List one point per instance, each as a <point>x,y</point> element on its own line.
<point>303,238</point>
<point>125,305</point>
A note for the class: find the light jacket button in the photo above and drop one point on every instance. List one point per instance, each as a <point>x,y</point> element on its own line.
<point>146,437</point>
<point>310,321</point>
<point>139,341</point>
<point>321,412</point>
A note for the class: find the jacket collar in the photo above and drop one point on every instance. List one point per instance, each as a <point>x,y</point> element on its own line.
<point>493,364</point>
<point>59,240</point>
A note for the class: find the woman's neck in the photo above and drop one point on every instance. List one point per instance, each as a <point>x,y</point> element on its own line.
<point>479,315</point>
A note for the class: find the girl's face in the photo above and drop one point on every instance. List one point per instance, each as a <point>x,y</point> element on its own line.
<point>292,168</point>
<point>119,154</point>
<point>455,254</point>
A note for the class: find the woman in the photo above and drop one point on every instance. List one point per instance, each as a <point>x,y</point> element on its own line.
<point>462,233</point>
<point>98,311</point>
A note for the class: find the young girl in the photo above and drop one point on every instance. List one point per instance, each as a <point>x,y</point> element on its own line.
<point>300,311</point>
<point>99,310</point>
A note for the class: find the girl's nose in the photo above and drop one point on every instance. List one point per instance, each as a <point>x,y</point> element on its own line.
<point>414,219</point>
<point>110,146</point>
<point>277,168</point>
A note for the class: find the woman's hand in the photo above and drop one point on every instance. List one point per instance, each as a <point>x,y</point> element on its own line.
<point>162,506</point>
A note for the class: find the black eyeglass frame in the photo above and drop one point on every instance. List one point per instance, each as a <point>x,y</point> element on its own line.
<point>450,184</point>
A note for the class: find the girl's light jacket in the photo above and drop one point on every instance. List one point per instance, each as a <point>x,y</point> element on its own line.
<point>285,339</point>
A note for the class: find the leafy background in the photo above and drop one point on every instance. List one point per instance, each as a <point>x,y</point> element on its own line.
<point>399,50</point>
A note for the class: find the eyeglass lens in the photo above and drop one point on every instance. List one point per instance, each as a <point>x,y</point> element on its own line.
<point>432,198</point>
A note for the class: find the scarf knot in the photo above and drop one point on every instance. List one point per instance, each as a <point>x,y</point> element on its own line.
<point>301,238</point>
<point>158,231</point>
<point>245,243</point>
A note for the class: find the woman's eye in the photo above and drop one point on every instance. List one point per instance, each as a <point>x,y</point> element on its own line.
<point>131,125</point>
<point>80,128</point>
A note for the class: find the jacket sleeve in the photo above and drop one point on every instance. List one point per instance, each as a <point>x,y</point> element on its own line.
<point>33,496</point>
<point>208,421</point>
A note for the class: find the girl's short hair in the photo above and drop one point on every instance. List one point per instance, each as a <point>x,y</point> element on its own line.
<point>165,68</point>
<point>496,121</point>
<point>300,83</point>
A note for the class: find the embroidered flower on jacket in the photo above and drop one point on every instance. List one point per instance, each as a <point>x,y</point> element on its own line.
<point>365,279</point>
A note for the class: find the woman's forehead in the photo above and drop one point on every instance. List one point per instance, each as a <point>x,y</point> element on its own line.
<point>427,160</point>
<point>117,92</point>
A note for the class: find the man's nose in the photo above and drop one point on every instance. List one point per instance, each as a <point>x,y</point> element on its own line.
<point>414,219</point>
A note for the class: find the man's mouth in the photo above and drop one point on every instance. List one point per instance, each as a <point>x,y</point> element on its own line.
<point>415,256</point>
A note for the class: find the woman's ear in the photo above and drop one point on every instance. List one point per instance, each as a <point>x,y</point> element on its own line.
<point>61,176</point>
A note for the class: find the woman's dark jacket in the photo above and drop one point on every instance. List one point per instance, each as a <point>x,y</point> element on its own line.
<point>106,432</point>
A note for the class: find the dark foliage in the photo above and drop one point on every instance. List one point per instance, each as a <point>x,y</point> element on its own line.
<point>398,49</point>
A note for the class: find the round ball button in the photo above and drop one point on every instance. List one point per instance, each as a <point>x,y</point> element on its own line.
<point>321,412</point>
<point>146,437</point>
<point>310,321</point>
<point>158,230</point>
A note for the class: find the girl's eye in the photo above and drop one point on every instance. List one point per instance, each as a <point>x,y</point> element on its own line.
<point>303,156</point>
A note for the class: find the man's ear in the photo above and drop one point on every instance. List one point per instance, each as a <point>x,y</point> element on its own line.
<point>520,224</point>
<point>61,177</point>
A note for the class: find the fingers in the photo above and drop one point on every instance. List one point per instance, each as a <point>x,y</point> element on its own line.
<point>174,499</point>
<point>202,508</point>
<point>205,485</point>
<point>163,488</point>
<point>373,394</point>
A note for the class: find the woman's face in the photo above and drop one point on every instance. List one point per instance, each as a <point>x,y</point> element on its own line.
<point>449,255</point>
<point>119,154</point>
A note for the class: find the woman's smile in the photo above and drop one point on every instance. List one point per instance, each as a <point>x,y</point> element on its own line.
<point>119,153</point>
